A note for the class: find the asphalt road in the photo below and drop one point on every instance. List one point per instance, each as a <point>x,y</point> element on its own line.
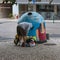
<point>8,29</point>
<point>53,29</point>
<point>46,51</point>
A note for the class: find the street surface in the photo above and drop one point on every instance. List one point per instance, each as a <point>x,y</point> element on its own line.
<point>53,29</point>
<point>46,51</point>
<point>7,30</point>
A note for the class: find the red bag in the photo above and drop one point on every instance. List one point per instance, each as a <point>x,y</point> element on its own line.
<point>42,33</point>
<point>42,36</point>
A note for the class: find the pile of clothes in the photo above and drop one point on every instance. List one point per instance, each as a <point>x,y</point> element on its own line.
<point>30,42</point>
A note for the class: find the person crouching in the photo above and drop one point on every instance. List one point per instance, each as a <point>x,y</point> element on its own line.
<point>22,30</point>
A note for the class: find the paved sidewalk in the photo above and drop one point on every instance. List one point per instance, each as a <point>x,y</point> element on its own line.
<point>8,19</point>
<point>45,51</point>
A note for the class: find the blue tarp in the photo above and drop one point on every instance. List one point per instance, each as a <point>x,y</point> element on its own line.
<point>35,16</point>
<point>35,19</point>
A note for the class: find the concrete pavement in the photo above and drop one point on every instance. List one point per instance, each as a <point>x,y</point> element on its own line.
<point>8,19</point>
<point>46,51</point>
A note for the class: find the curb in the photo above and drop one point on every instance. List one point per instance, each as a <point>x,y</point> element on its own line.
<point>8,19</point>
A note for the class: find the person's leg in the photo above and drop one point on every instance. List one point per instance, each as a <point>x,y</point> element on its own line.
<point>24,38</point>
<point>24,41</point>
<point>21,41</point>
<point>16,40</point>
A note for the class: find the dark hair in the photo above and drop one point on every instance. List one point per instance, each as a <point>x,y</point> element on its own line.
<point>29,13</point>
<point>21,31</point>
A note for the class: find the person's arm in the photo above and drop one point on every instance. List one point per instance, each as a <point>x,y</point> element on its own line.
<point>42,27</point>
<point>37,35</point>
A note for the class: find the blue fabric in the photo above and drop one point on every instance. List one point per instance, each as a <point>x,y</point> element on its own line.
<point>35,16</point>
<point>35,19</point>
<point>32,32</point>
